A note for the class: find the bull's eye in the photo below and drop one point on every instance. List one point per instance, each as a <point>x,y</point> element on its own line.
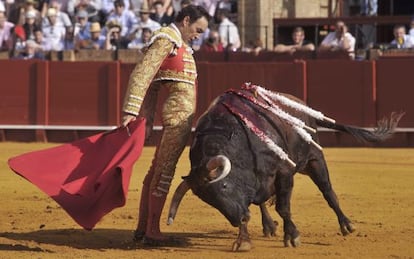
<point>224,185</point>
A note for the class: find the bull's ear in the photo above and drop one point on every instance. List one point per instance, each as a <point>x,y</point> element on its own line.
<point>213,174</point>
<point>218,167</point>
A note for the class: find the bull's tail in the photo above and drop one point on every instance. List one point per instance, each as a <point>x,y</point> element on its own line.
<point>385,128</point>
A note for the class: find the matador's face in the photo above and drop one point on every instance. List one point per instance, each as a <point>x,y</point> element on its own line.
<point>193,31</point>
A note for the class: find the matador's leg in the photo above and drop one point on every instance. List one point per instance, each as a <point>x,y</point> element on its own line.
<point>178,113</point>
<point>149,106</point>
<point>147,111</point>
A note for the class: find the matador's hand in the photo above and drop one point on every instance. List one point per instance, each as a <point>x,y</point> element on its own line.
<point>127,119</point>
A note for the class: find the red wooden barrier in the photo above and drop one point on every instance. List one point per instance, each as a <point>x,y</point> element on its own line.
<point>395,92</point>
<point>343,90</point>
<point>20,91</point>
<point>84,93</point>
<point>395,88</point>
<point>91,93</point>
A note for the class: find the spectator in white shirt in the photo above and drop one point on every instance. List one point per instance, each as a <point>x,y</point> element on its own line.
<point>401,39</point>
<point>140,42</point>
<point>5,33</point>
<point>229,33</point>
<point>54,33</point>
<point>108,6</point>
<point>340,39</point>
<point>144,22</point>
<point>82,26</point>
<point>124,17</point>
<point>62,18</point>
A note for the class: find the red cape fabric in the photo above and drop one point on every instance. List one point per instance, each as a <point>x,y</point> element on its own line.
<point>88,178</point>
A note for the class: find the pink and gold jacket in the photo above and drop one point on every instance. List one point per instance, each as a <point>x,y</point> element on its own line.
<point>167,58</point>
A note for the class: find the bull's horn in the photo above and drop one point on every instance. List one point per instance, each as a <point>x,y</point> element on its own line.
<point>219,161</point>
<point>175,202</point>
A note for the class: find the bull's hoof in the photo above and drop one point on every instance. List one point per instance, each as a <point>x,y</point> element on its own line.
<point>270,229</point>
<point>241,246</point>
<point>289,242</point>
<point>347,228</point>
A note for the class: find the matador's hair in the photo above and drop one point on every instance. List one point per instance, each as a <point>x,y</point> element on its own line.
<point>195,12</point>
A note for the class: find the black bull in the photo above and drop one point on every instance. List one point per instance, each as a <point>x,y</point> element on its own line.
<point>225,143</point>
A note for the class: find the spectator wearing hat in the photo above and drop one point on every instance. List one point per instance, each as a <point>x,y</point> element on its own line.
<point>54,32</point>
<point>136,5</point>
<point>82,26</point>
<point>96,41</point>
<point>62,18</point>
<point>30,5</point>
<point>114,40</point>
<point>31,51</point>
<point>124,17</point>
<point>144,22</point>
<point>30,25</point>
<point>91,6</point>
<point>5,33</point>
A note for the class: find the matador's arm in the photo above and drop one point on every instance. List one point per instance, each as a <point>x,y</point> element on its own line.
<point>143,74</point>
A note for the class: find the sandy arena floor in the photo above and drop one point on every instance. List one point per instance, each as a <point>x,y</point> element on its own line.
<point>375,188</point>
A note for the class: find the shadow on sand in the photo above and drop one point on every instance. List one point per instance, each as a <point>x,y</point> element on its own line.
<point>98,239</point>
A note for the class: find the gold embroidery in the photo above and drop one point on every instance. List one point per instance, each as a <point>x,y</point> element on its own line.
<point>143,74</point>
<point>177,116</point>
<point>177,76</point>
<point>167,33</point>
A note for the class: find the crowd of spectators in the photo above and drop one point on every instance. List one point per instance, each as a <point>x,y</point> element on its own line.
<point>31,28</point>
<point>340,39</point>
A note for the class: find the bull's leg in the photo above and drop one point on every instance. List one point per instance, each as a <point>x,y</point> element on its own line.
<point>284,185</point>
<point>318,172</point>
<point>269,225</point>
<point>243,242</point>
